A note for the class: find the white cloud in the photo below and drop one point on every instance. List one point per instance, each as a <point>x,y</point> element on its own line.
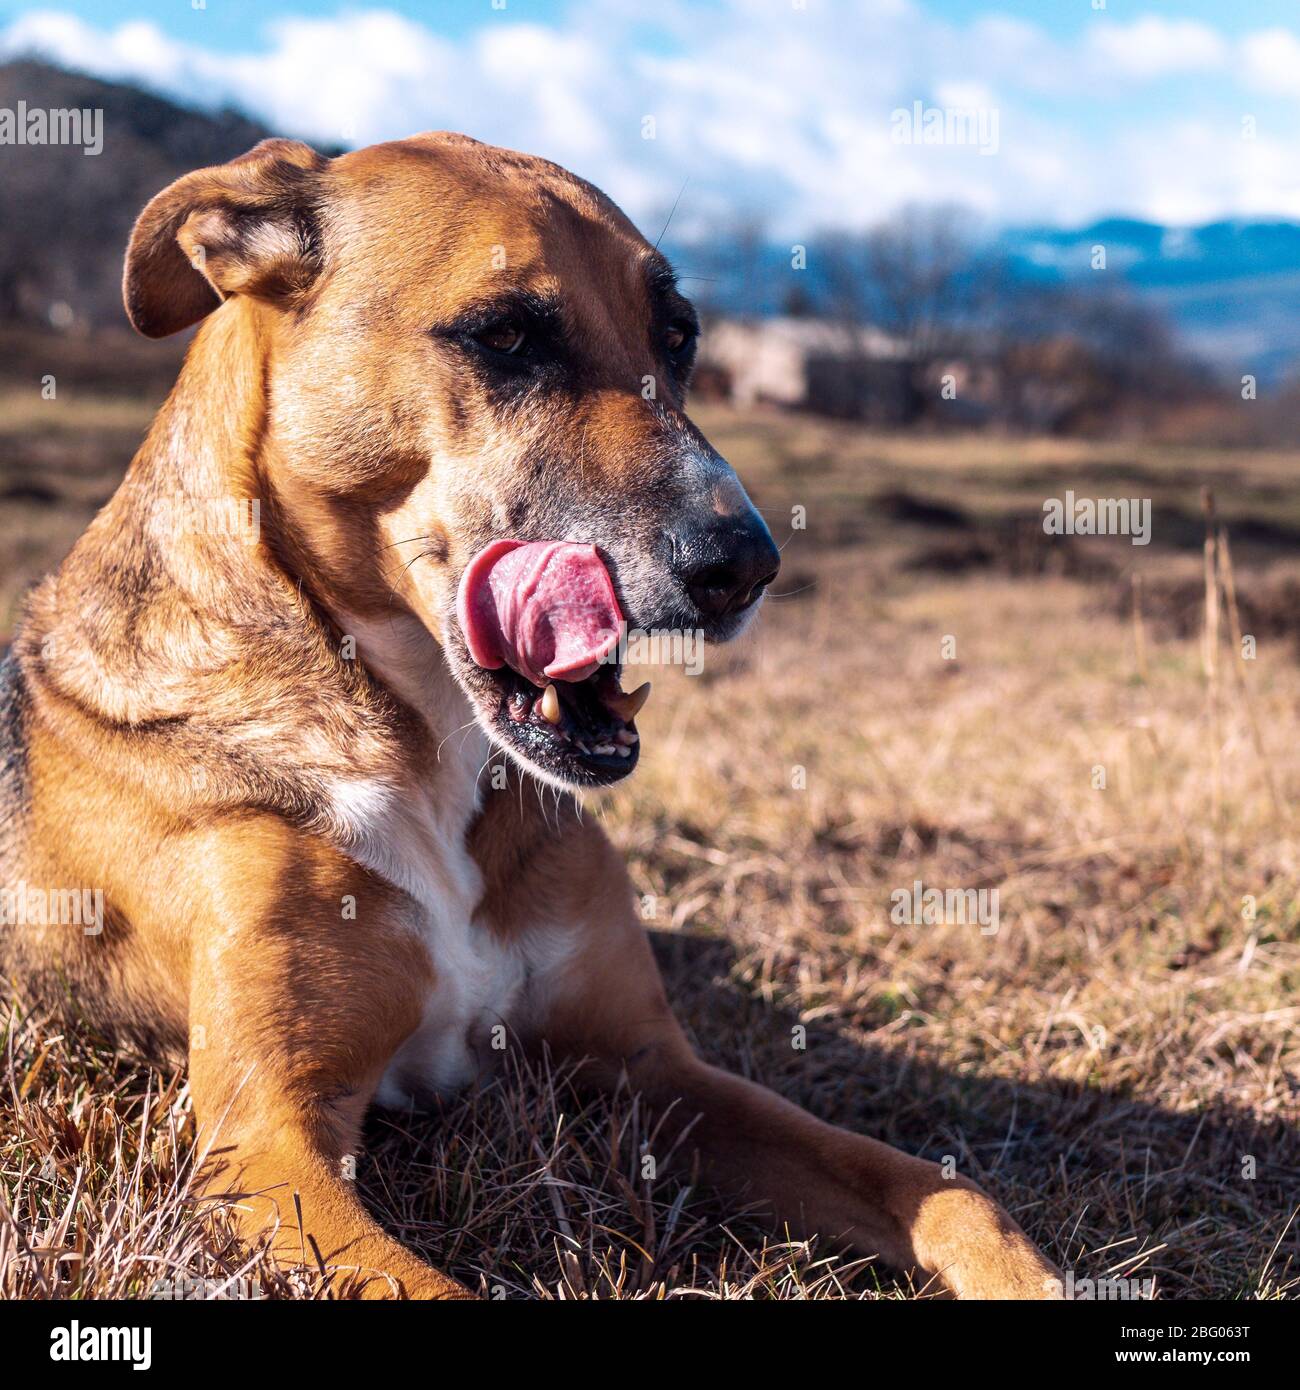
<point>969,96</point>
<point>1154,47</point>
<point>762,109</point>
<point>1249,178</point>
<point>1271,61</point>
<point>122,52</point>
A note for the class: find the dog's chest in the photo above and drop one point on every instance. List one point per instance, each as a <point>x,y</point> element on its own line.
<point>486,987</point>
<point>477,1002</point>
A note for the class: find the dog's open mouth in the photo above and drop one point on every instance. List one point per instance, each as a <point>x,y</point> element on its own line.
<point>542,622</point>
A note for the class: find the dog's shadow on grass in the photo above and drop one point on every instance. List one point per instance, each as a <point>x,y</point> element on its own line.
<point>1100,1177</point>
<point>1108,1183</point>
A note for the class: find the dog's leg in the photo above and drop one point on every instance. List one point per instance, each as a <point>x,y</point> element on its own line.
<point>294,1014</point>
<point>812,1175</point>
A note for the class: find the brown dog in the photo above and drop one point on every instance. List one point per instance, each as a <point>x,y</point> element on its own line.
<point>425,353</point>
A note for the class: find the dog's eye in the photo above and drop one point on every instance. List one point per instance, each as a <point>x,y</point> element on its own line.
<point>678,338</point>
<point>506,337</point>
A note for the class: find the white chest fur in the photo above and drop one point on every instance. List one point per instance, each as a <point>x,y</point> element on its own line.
<point>486,999</point>
<point>487,989</point>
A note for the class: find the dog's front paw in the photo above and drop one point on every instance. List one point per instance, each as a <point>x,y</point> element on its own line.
<point>978,1252</point>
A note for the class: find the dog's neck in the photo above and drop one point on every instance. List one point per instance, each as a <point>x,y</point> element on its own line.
<point>165,623</point>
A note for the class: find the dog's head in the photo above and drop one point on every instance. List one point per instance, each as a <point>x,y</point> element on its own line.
<point>467,348</point>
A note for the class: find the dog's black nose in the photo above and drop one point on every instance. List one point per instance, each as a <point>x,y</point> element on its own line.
<point>725,565</point>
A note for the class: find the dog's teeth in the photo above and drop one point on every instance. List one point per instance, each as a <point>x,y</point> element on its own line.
<point>550,705</point>
<point>627,705</point>
<point>624,752</point>
<point>636,702</point>
<point>626,737</point>
<point>603,748</point>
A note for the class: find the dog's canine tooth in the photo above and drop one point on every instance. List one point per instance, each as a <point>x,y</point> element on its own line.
<point>627,705</point>
<point>550,705</point>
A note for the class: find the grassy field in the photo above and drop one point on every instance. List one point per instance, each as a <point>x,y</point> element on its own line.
<point>936,692</point>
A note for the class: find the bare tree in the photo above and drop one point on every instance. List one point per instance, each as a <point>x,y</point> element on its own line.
<point>922,276</point>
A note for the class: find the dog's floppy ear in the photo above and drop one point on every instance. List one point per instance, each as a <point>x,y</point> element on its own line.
<point>247,227</point>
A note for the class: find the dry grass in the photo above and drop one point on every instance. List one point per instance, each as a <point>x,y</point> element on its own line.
<point>1107,1062</point>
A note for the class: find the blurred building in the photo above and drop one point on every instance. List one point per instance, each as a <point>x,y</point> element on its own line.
<point>842,370</point>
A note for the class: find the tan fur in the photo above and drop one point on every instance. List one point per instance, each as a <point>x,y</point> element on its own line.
<point>193,736</point>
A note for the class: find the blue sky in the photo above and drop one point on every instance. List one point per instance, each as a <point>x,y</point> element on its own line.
<point>1181,111</point>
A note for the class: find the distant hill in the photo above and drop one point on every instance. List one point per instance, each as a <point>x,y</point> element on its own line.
<point>65,216</point>
<point>1231,289</point>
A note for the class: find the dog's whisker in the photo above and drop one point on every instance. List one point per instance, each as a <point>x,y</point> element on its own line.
<point>672,211</point>
<point>487,763</point>
<point>469,724</point>
<point>402,572</point>
<point>393,544</point>
<point>393,592</point>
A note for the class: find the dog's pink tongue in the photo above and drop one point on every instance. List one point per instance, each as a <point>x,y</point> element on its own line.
<point>543,608</point>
